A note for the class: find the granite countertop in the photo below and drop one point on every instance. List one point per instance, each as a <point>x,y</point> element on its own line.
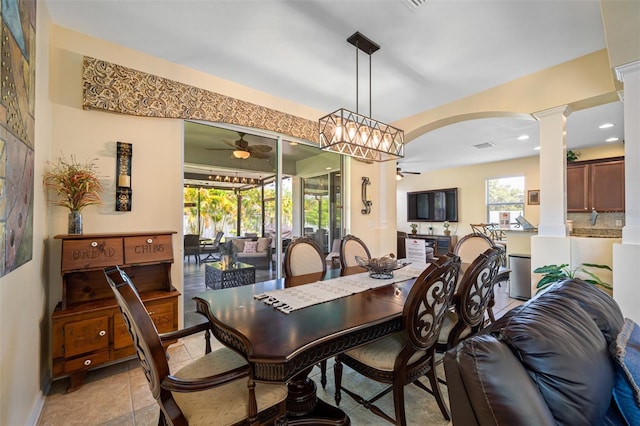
<point>597,232</point>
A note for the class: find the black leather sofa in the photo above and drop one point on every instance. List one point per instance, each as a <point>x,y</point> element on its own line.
<point>546,362</point>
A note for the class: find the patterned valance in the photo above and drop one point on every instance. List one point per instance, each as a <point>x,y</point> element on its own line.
<point>123,90</point>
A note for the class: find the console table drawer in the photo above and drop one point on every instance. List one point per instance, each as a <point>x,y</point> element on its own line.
<point>151,248</point>
<point>163,313</point>
<point>86,362</point>
<point>86,336</point>
<point>91,253</point>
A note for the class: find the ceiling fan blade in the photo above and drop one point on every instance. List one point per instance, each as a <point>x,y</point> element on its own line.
<point>261,155</point>
<point>261,148</point>
<point>412,173</point>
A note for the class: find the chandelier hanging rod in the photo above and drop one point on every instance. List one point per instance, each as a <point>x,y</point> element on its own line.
<point>368,46</point>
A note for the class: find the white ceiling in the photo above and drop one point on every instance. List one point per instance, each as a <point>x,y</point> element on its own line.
<point>436,53</point>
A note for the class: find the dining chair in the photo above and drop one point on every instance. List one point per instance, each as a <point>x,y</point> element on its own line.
<point>470,247</point>
<point>192,246</point>
<point>404,357</point>
<point>216,388</point>
<point>350,247</point>
<point>303,262</point>
<point>471,300</point>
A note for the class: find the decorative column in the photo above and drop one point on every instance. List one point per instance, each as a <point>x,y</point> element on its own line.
<point>625,255</point>
<point>553,169</point>
<point>552,245</point>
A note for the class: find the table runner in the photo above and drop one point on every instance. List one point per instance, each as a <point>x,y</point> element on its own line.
<point>290,299</point>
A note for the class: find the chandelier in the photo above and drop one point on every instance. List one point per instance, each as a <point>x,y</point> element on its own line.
<point>350,133</point>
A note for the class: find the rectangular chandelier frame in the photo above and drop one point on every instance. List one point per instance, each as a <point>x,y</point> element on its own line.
<point>349,133</point>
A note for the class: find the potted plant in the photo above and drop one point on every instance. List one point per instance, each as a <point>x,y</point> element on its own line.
<point>572,156</point>
<point>77,185</point>
<point>555,273</point>
<point>414,228</point>
<point>446,225</point>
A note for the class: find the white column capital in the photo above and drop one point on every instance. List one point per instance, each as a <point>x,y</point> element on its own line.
<point>621,70</point>
<point>551,112</point>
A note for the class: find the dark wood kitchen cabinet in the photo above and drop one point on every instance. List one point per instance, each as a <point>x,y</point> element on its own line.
<point>87,327</point>
<point>596,184</point>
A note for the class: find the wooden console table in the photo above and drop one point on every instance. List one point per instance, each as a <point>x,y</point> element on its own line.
<point>87,326</point>
<point>442,244</point>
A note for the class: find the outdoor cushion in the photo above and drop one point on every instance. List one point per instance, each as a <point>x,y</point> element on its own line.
<point>250,247</point>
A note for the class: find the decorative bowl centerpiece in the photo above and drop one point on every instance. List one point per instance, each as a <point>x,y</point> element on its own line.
<point>381,268</point>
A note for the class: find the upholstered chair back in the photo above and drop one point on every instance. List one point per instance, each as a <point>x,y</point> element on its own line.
<point>351,247</point>
<point>303,257</point>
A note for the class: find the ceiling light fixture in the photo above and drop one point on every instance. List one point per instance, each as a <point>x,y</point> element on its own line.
<point>356,135</point>
<point>523,137</point>
<point>606,125</point>
<point>241,154</point>
<point>611,140</point>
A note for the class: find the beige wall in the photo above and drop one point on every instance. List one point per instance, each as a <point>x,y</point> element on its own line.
<point>470,182</point>
<point>24,322</point>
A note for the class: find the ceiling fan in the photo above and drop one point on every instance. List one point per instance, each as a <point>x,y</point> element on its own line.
<point>400,174</point>
<point>243,150</point>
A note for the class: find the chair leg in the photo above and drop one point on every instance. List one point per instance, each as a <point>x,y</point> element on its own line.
<point>437,393</point>
<point>337,375</point>
<point>398,403</point>
<point>323,373</point>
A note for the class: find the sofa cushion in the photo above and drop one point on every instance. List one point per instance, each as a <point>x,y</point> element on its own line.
<point>263,244</point>
<point>250,247</point>
<point>565,354</point>
<point>596,303</point>
<point>626,391</point>
<point>238,244</point>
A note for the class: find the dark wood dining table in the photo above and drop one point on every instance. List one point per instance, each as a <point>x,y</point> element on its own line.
<point>284,347</point>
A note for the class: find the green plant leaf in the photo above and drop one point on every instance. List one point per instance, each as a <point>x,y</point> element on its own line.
<point>595,265</point>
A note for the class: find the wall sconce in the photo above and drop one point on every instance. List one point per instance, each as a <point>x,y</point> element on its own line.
<point>365,198</point>
<point>123,173</point>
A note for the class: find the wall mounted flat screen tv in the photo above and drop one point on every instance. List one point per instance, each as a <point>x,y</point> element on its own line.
<point>433,206</point>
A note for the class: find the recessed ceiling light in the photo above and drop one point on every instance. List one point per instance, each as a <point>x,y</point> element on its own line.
<point>611,140</point>
<point>606,125</point>
<point>327,168</point>
<point>523,137</point>
<point>293,143</point>
<point>537,148</point>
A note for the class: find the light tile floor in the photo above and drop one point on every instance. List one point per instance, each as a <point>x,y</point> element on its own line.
<point>119,394</point>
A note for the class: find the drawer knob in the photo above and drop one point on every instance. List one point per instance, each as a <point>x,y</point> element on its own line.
<point>94,244</point>
<point>149,240</point>
<point>102,333</point>
<point>87,362</point>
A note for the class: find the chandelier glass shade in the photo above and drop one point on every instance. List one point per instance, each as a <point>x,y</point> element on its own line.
<point>243,155</point>
<point>350,133</point>
<point>362,137</point>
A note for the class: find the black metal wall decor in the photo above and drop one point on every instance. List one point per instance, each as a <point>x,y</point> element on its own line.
<point>365,198</point>
<point>123,173</point>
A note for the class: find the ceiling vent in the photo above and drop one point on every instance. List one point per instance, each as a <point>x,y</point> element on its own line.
<point>414,4</point>
<point>484,145</point>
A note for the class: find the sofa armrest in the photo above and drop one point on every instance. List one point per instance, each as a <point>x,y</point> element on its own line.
<point>488,386</point>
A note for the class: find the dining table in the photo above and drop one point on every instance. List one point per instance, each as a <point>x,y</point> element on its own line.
<point>283,347</point>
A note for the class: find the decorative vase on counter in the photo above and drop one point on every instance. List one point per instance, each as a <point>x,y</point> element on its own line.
<point>447,232</point>
<point>75,223</point>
